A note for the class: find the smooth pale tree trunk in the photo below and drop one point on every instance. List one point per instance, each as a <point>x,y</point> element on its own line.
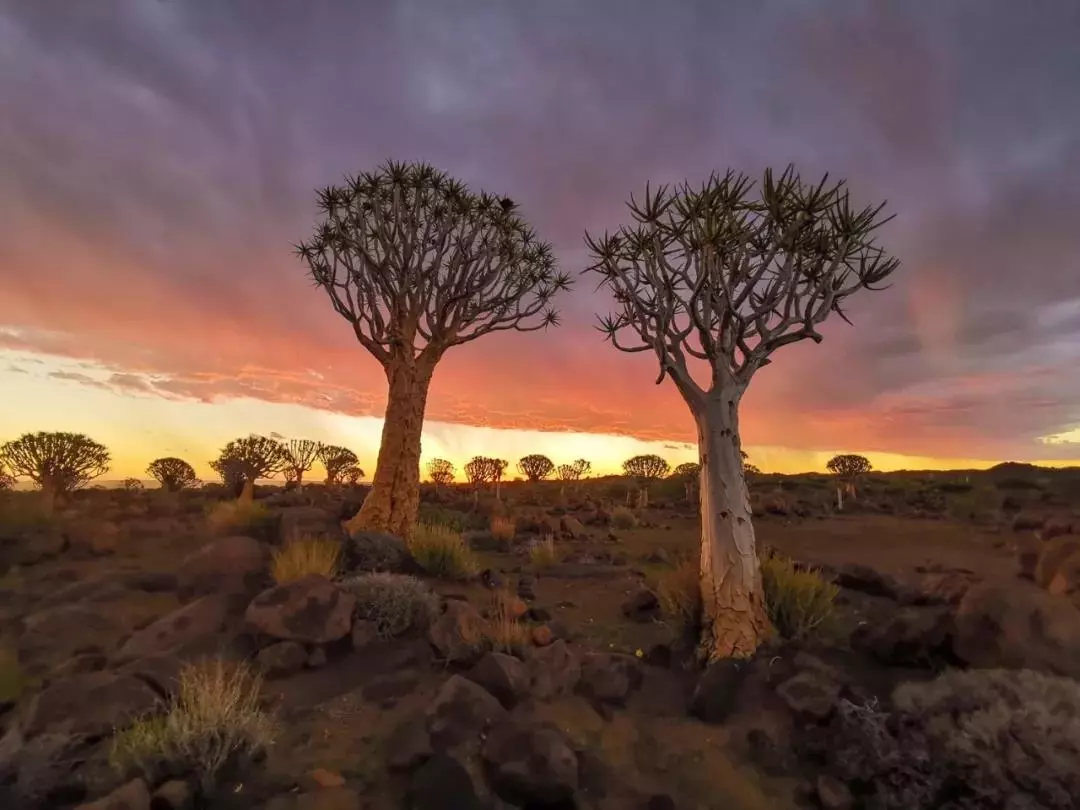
<point>734,621</point>
<point>393,503</point>
<point>247,494</point>
<point>48,496</point>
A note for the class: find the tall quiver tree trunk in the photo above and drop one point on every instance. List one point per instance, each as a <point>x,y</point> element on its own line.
<point>393,503</point>
<point>734,621</point>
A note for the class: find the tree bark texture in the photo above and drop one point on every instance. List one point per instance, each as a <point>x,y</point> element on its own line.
<point>393,502</point>
<point>247,494</point>
<point>734,620</point>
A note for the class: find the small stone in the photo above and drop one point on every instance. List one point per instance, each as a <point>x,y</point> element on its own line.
<point>176,794</point>
<point>833,794</point>
<point>326,779</point>
<point>542,635</point>
<point>503,676</point>
<point>642,607</point>
<point>364,634</point>
<point>408,746</point>
<point>132,796</point>
<point>282,659</point>
<point>442,783</point>
<point>316,658</point>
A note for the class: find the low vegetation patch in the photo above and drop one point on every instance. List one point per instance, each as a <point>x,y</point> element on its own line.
<point>679,592</point>
<point>968,739</point>
<point>442,552</point>
<point>505,632</point>
<point>239,517</point>
<point>302,556</point>
<point>503,529</point>
<point>623,518</point>
<point>800,603</point>
<point>12,679</point>
<point>24,512</point>
<point>396,603</point>
<point>215,722</point>
<point>543,552</point>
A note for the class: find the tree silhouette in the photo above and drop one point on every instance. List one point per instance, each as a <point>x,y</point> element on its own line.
<point>848,468</point>
<point>417,263</point>
<point>352,473</point>
<point>645,469</point>
<point>7,480</point>
<point>250,458</point>
<point>441,471</point>
<point>174,474</point>
<point>689,473</point>
<point>726,277</point>
<point>535,467</point>
<point>59,463</point>
<point>300,456</point>
<point>336,460</point>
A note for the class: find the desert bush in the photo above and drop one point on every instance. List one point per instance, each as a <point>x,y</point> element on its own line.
<point>543,553</point>
<point>679,591</point>
<point>504,632</point>
<point>213,723</point>
<point>396,603</point>
<point>503,529</point>
<point>305,555</point>
<point>13,680</point>
<point>623,518</point>
<point>1018,484</point>
<point>249,518</point>
<point>22,512</point>
<point>367,552</point>
<point>799,602</point>
<point>442,552</point>
<point>967,740</point>
<point>436,515</point>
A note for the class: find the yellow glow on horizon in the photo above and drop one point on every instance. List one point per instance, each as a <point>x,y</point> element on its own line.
<point>137,429</point>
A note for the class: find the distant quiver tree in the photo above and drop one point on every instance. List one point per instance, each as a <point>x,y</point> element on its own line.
<point>59,463</point>
<point>714,279</point>
<point>417,263</point>
<point>250,459</point>
<point>174,474</point>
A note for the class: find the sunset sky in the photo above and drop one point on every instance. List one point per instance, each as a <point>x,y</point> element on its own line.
<point>158,160</point>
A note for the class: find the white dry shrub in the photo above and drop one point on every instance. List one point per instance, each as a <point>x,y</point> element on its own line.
<point>396,603</point>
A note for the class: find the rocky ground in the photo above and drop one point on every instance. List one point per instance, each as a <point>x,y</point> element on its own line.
<point>589,700</point>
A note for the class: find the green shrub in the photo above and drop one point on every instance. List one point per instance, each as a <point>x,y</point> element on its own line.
<point>623,518</point>
<point>394,602</point>
<point>304,555</point>
<point>543,552</point>
<point>679,591</point>
<point>968,739</point>
<point>249,518</point>
<point>799,602</point>
<point>442,552</point>
<point>436,515</point>
<point>213,723</point>
<point>366,552</point>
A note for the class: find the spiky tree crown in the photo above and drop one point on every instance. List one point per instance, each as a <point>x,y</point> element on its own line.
<point>645,467</point>
<point>253,457</point>
<point>172,473</point>
<point>536,467</point>
<point>688,469</point>
<point>441,471</point>
<point>417,262</point>
<point>482,469</point>
<point>300,454</point>
<point>727,277</point>
<point>63,461</point>
<point>336,460</point>
<point>849,465</point>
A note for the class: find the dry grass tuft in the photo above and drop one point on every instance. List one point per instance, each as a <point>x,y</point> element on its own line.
<point>799,603</point>
<point>505,633</point>
<point>623,518</point>
<point>306,555</point>
<point>442,552</point>
<point>543,553</point>
<point>13,682</point>
<point>503,529</point>
<point>394,602</point>
<point>238,517</point>
<point>679,591</point>
<point>214,722</point>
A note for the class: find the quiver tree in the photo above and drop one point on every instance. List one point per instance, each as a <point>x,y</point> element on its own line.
<point>689,473</point>
<point>645,469</point>
<point>483,470</point>
<point>417,263</point>
<point>7,480</point>
<point>300,456</point>
<point>59,463</point>
<point>721,275</point>
<point>336,460</point>
<point>352,473</point>
<point>848,468</point>
<point>441,471</point>
<point>249,459</point>
<point>536,467</point>
<point>174,474</point>
<point>748,468</point>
